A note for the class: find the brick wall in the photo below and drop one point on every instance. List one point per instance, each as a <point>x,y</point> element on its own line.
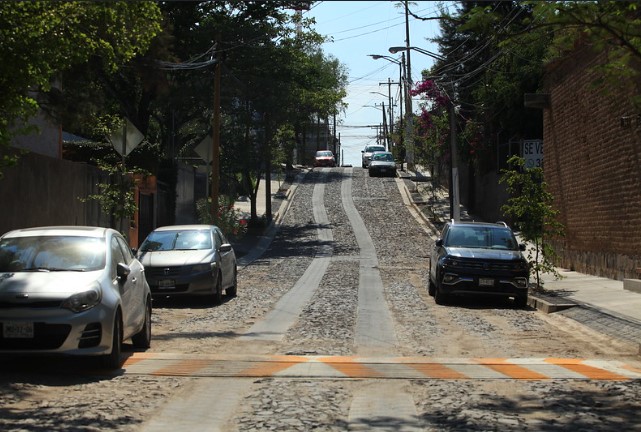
<point>593,167</point>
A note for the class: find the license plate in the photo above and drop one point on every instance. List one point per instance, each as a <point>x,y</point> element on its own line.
<point>486,282</point>
<point>166,284</point>
<point>17,330</point>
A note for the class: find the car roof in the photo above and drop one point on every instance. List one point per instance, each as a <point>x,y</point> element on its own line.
<point>481,224</point>
<point>80,231</point>
<point>190,227</point>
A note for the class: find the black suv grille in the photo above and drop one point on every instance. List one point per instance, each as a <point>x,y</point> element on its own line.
<point>485,265</point>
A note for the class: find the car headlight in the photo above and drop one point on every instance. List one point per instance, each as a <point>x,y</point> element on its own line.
<point>447,261</point>
<point>204,267</point>
<point>521,266</point>
<point>83,301</point>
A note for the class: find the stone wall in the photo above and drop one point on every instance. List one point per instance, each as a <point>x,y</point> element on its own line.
<point>592,136</point>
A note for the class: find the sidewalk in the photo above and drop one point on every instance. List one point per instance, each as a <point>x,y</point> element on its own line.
<point>588,299</point>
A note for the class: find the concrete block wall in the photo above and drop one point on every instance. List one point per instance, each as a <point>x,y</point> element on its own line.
<point>593,167</point>
<point>42,190</point>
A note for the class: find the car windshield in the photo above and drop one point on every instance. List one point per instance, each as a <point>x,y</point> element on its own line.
<point>177,240</point>
<point>481,237</point>
<point>324,154</point>
<point>374,149</point>
<point>52,253</point>
<point>387,157</point>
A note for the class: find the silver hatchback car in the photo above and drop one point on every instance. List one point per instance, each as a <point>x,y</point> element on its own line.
<point>72,290</point>
<point>189,260</point>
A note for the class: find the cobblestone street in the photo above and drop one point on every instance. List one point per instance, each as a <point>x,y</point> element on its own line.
<point>65,395</point>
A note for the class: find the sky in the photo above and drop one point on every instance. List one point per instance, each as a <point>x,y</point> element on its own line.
<point>360,28</point>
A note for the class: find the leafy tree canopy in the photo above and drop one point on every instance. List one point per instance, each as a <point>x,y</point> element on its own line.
<point>40,39</point>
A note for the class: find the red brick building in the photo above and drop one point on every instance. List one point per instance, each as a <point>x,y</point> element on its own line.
<point>592,136</point>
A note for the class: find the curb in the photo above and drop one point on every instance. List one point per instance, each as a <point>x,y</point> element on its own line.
<point>549,306</point>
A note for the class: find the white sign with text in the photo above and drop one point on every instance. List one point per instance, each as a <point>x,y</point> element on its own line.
<point>532,152</point>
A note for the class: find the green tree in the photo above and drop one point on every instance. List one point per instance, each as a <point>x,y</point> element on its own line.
<point>41,39</point>
<point>530,205</point>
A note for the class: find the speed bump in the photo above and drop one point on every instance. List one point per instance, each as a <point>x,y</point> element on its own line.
<point>354,367</point>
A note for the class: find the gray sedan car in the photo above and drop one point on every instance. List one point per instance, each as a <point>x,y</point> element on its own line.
<point>72,290</point>
<point>189,260</point>
<point>382,164</point>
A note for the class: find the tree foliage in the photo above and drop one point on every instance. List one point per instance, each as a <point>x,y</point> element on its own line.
<point>41,39</point>
<point>530,205</point>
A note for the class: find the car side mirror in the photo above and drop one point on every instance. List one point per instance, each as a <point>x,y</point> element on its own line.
<point>122,271</point>
<point>522,246</point>
<point>438,243</point>
<point>225,247</point>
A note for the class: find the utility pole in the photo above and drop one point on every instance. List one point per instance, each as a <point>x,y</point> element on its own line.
<point>409,144</point>
<point>454,189</point>
<point>390,110</point>
<point>385,131</point>
<point>215,161</point>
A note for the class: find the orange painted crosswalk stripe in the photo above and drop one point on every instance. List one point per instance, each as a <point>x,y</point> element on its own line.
<point>281,363</point>
<point>183,368</point>
<point>586,370</point>
<point>437,370</point>
<point>348,366</point>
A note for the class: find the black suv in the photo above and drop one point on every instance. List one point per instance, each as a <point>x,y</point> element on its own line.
<point>478,258</point>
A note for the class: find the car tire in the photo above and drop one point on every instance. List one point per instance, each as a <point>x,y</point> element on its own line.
<point>142,339</point>
<point>430,287</point>
<point>112,360</point>
<point>520,301</point>
<point>232,291</point>
<point>440,298</point>
<point>218,290</point>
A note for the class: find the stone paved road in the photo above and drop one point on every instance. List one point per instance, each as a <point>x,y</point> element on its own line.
<point>37,395</point>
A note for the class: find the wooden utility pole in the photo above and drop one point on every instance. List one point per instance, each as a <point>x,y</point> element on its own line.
<point>215,159</point>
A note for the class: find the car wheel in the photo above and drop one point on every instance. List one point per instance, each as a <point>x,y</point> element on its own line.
<point>232,290</point>
<point>218,290</point>
<point>142,339</point>
<point>430,286</point>
<point>520,300</point>
<point>112,360</point>
<point>439,297</point>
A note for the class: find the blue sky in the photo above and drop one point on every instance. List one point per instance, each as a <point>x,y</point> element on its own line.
<point>359,28</point>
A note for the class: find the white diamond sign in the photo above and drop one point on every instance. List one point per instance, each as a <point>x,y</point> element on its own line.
<point>127,138</point>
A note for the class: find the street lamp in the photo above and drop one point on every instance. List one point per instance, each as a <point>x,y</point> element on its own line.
<point>455,211</point>
<point>397,49</point>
